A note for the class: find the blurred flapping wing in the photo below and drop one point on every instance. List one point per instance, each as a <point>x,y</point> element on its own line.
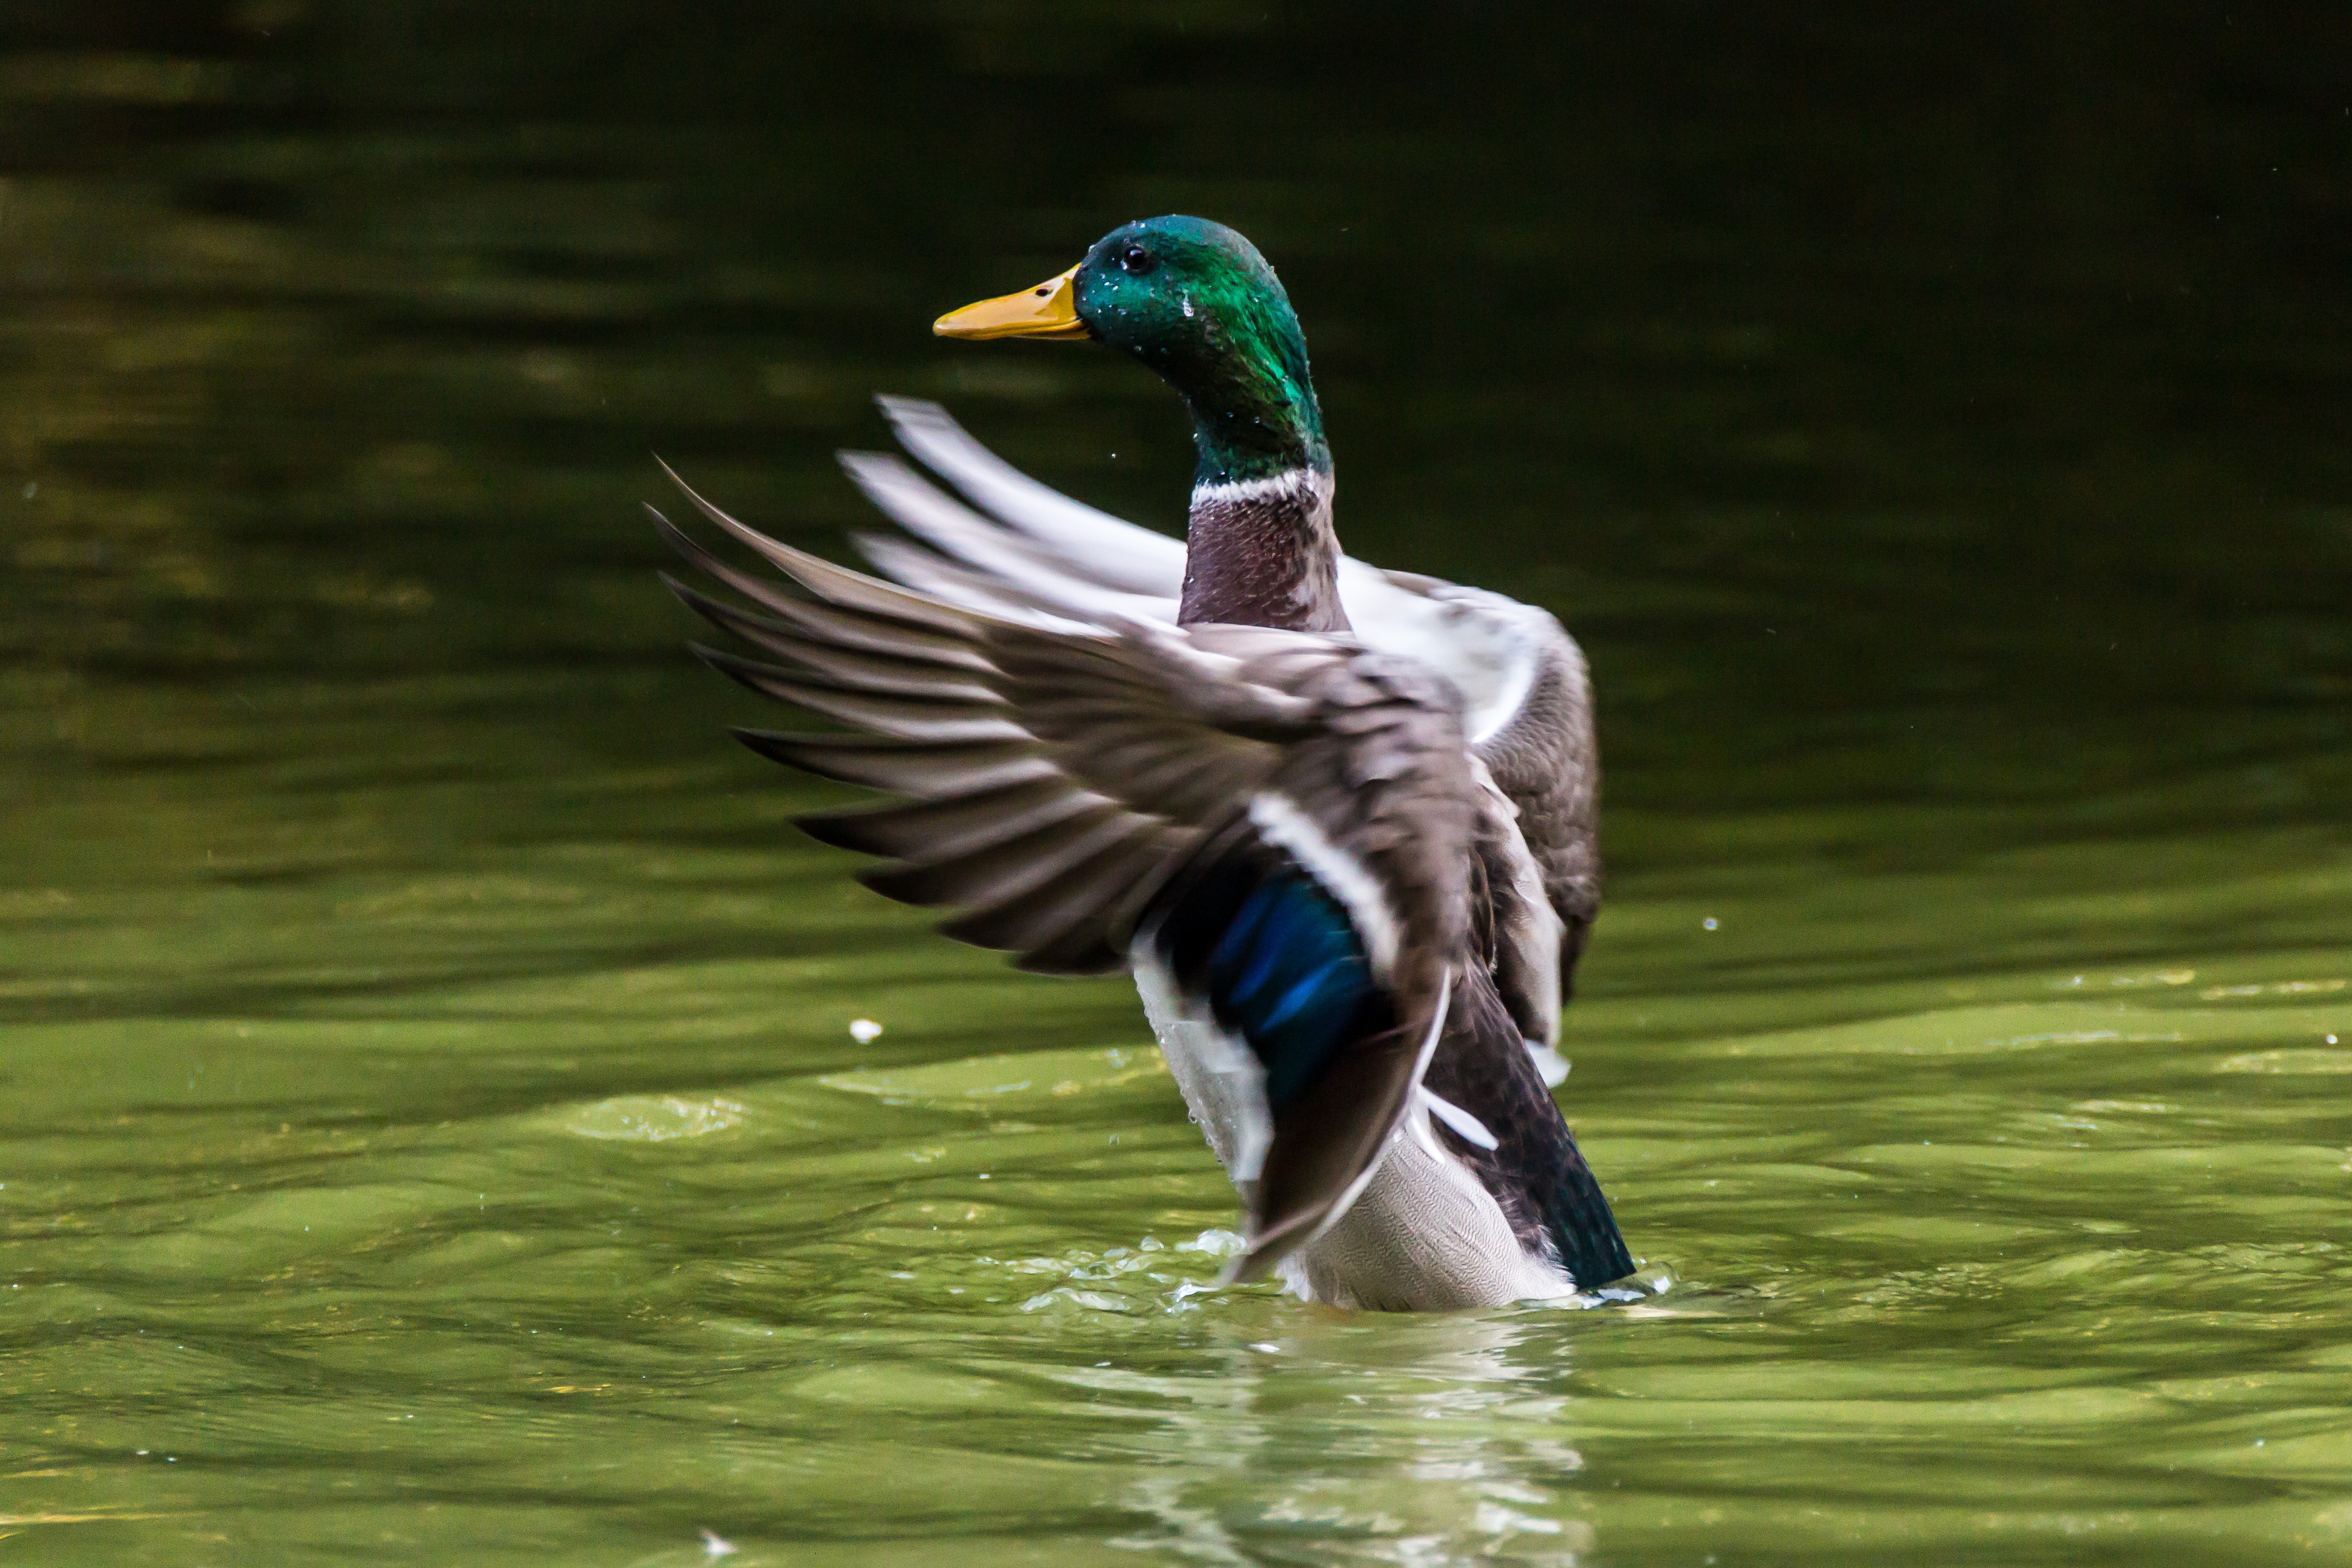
<point>1075,786</point>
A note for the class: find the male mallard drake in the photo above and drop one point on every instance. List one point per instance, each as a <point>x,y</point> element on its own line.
<point>1338,822</point>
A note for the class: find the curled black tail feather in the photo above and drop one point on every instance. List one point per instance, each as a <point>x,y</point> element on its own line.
<point>1535,1172</point>
<point>1577,1216</point>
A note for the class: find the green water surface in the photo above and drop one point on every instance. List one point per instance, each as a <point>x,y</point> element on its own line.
<point>438,1121</point>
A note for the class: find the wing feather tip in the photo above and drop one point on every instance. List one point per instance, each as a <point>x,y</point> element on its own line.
<point>840,830</point>
<point>748,673</point>
<point>899,882</point>
<point>790,748</point>
<point>1059,968</point>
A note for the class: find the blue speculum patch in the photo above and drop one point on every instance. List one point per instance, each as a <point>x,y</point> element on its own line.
<point>1280,965</point>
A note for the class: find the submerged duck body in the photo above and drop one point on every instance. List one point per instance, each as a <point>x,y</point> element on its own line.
<point>1337,823</point>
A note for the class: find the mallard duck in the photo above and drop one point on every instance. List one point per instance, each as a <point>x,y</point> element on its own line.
<point>1337,823</point>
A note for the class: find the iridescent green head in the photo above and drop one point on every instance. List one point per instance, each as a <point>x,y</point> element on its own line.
<point>1197,303</point>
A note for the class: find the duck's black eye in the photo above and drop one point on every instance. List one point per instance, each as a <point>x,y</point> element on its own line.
<point>1137,260</point>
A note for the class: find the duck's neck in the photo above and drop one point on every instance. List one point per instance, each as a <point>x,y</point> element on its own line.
<point>1260,550</point>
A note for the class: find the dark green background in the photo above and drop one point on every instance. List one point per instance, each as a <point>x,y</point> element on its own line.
<point>1997,353</point>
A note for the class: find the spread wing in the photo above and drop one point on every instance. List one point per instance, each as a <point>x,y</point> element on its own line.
<point>1290,817</point>
<point>1019,548</point>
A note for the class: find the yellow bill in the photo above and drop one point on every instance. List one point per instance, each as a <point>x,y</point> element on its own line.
<point>1048,310</point>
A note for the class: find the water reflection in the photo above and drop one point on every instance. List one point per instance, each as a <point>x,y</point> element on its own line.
<point>1426,1443</point>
